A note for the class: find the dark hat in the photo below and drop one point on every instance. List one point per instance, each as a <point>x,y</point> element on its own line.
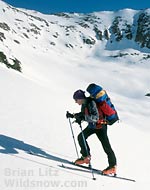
<point>79,94</point>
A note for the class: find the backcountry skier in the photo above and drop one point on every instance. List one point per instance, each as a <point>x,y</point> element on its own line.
<point>96,125</point>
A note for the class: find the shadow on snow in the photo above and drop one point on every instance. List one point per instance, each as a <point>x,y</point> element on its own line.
<point>9,145</point>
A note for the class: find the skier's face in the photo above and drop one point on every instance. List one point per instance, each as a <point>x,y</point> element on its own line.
<point>79,101</point>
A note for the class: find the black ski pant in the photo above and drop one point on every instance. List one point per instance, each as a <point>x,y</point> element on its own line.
<point>102,136</point>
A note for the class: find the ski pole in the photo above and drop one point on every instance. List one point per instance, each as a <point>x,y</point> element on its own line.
<point>73,138</point>
<point>90,166</point>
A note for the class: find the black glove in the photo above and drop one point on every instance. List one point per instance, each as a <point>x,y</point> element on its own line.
<point>79,117</point>
<point>78,121</point>
<point>69,115</point>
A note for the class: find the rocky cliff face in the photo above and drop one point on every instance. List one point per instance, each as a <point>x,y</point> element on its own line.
<point>143,30</point>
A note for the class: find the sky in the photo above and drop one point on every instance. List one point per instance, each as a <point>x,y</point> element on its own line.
<point>78,6</point>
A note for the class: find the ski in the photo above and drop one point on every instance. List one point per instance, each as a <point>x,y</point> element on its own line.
<point>64,163</point>
<point>50,157</point>
<point>96,171</point>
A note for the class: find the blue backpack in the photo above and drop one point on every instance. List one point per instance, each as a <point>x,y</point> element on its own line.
<point>104,104</point>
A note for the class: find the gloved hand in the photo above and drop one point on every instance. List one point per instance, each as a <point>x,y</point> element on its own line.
<point>79,117</point>
<point>69,115</point>
<point>78,121</point>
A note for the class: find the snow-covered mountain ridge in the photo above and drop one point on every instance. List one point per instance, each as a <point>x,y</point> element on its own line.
<point>121,34</point>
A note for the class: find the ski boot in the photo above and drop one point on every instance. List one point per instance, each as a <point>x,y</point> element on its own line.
<point>83,160</point>
<point>110,171</point>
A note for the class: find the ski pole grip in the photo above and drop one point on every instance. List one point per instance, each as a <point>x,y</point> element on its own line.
<point>69,115</point>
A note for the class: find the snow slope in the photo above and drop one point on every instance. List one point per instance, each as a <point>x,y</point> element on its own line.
<point>33,105</point>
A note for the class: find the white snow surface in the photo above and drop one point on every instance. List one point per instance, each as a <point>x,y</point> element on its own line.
<point>33,105</point>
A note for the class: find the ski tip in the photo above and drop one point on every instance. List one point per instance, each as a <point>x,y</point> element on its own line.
<point>134,180</point>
